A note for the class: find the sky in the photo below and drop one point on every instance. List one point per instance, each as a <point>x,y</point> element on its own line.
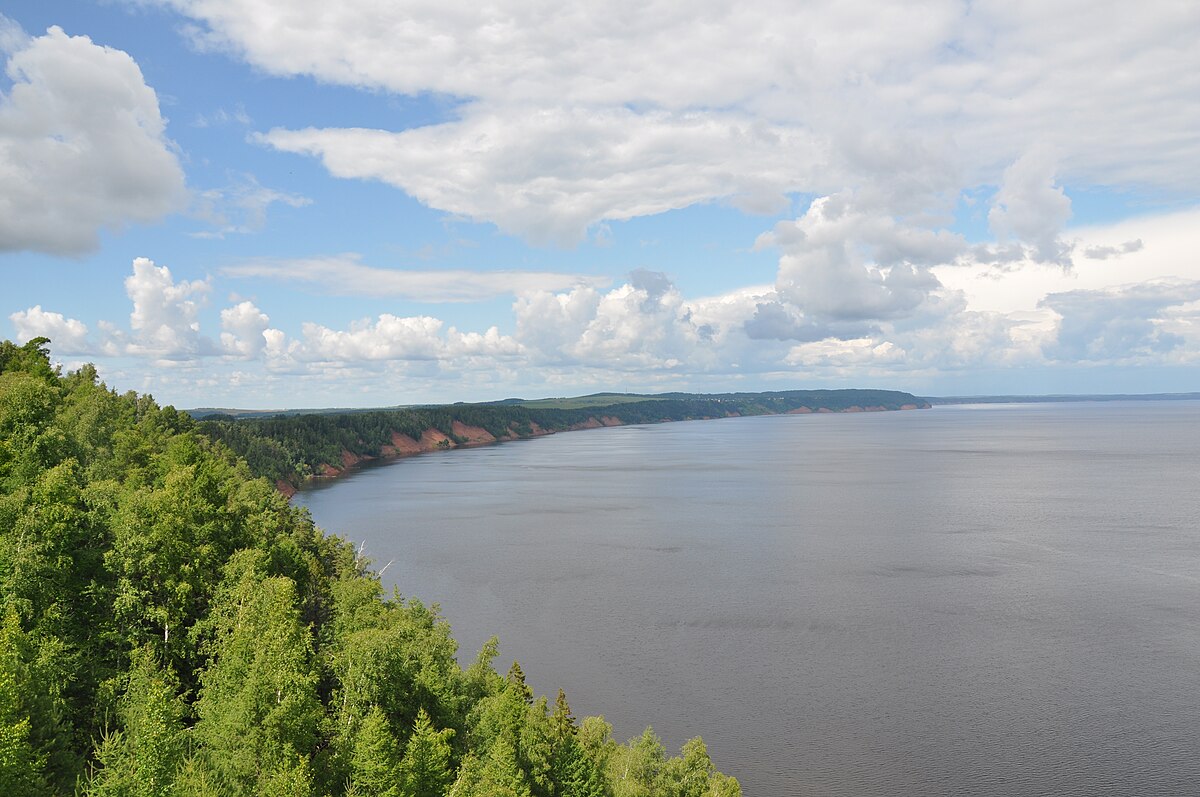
<point>288,203</point>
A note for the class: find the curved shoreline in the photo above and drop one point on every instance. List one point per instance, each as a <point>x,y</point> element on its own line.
<point>433,440</point>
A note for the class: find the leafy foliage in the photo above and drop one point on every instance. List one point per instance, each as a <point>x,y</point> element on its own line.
<point>170,625</point>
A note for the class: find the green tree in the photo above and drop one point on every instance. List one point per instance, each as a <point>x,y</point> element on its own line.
<point>497,774</point>
<point>702,776</point>
<point>425,769</point>
<point>29,440</point>
<point>258,709</point>
<point>595,739</point>
<point>636,769</point>
<point>516,677</point>
<point>169,543</point>
<point>573,772</point>
<point>374,763</point>
<point>143,758</point>
<point>20,764</point>
<point>32,358</point>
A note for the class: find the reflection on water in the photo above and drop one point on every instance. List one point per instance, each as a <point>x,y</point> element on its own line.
<point>967,600</point>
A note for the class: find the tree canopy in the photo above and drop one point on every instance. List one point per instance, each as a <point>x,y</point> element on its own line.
<point>171,625</point>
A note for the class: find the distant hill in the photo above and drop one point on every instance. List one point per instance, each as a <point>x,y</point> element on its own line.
<point>593,400</point>
<point>293,446</point>
<point>201,413</point>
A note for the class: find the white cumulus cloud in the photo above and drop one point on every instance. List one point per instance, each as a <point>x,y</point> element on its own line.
<point>390,337</point>
<point>843,263</point>
<point>245,329</point>
<point>164,318</point>
<point>67,335</point>
<point>82,146</point>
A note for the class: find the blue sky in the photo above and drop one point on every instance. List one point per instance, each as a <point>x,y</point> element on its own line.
<point>281,203</point>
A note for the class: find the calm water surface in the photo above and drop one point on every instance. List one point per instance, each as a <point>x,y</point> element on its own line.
<point>986,600</point>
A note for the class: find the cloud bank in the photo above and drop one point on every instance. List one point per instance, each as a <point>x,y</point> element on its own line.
<point>899,324</point>
<point>579,113</point>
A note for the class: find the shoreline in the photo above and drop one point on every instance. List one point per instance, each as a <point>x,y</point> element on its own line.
<point>434,440</point>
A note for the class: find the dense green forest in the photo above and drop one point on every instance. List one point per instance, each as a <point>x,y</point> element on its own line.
<point>295,447</point>
<point>170,625</point>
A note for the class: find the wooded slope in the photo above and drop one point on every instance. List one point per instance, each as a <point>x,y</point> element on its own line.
<point>170,625</point>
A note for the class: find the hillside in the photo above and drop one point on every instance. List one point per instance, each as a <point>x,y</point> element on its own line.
<point>170,625</point>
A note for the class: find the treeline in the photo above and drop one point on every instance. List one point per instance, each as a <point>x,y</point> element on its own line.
<point>294,448</point>
<point>170,625</point>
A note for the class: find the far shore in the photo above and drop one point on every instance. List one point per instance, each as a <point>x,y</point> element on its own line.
<point>434,440</point>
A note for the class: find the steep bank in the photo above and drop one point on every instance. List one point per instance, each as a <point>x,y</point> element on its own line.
<point>434,440</point>
<point>293,449</point>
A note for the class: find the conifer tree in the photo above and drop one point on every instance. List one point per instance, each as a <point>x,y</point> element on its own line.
<point>561,719</point>
<point>374,760</point>
<point>144,757</point>
<point>516,677</point>
<point>573,772</point>
<point>497,774</point>
<point>291,777</point>
<point>425,769</point>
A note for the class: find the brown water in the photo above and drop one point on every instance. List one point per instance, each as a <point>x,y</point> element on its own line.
<point>990,600</point>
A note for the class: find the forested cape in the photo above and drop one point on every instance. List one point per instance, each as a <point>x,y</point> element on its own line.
<point>170,625</point>
<point>293,448</point>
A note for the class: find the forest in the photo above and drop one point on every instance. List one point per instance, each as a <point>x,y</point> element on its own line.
<point>293,447</point>
<point>171,625</point>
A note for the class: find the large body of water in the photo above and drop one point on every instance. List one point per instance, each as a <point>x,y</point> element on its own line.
<point>986,600</point>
